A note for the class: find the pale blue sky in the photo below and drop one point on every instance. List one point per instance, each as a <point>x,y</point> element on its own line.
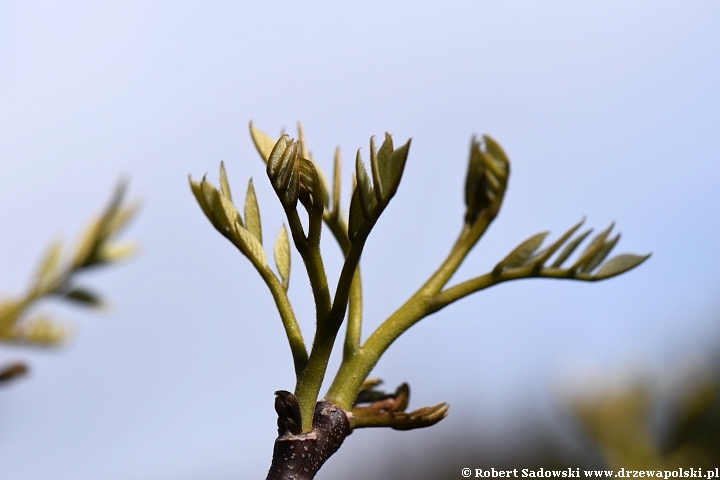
<point>608,109</point>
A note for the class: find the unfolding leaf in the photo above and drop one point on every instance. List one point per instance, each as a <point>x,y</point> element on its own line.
<point>200,197</point>
<point>379,165</point>
<point>569,249</point>
<point>9,314</point>
<point>281,252</point>
<point>336,182</point>
<point>252,213</point>
<point>486,180</point>
<point>220,217</point>
<point>364,188</point>
<point>600,255</point>
<point>49,264</point>
<point>251,246</point>
<point>392,171</point>
<point>282,169</point>
<point>86,246</point>
<point>229,211</point>
<point>620,264</point>
<point>263,143</point>
<point>121,218</point>
<point>522,252</point>
<point>116,252</point>
<point>356,217</point>
<point>311,192</point>
<point>83,296</point>
<point>224,185</point>
<point>41,331</point>
<point>541,257</point>
<point>367,204</point>
<point>500,162</point>
<point>323,184</point>
<point>595,245</point>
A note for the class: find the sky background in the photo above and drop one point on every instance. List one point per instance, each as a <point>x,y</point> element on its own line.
<point>609,110</point>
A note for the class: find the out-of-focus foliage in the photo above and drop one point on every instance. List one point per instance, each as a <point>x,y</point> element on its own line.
<point>619,422</point>
<point>56,278</point>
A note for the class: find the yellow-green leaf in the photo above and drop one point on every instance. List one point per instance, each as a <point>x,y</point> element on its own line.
<point>569,249</point>
<point>542,256</point>
<point>364,188</point>
<point>595,245</point>
<point>282,169</point>
<point>116,252</point>
<point>252,213</point>
<point>522,252</point>
<point>620,264</point>
<point>600,255</point>
<point>9,313</point>
<point>230,212</point>
<point>200,198</point>
<point>221,218</point>
<point>263,143</point>
<point>49,264</point>
<point>356,217</point>
<point>41,331</point>
<point>281,252</point>
<point>224,185</point>
<point>87,245</point>
<point>311,192</point>
<point>336,183</point>
<point>252,247</point>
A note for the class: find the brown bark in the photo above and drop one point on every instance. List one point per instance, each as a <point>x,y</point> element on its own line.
<point>299,456</point>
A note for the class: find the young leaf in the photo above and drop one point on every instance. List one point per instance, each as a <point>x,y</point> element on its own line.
<point>221,215</point>
<point>542,256</point>
<point>252,213</point>
<point>85,249</point>
<point>282,256</point>
<point>569,249</point>
<point>336,183</point>
<point>121,217</point>
<point>49,263</point>
<point>595,245</point>
<point>224,185</point>
<point>379,163</point>
<point>356,216</point>
<point>263,143</point>
<point>522,252</point>
<point>83,296</point>
<point>116,252</point>
<point>200,198</point>
<point>229,211</point>
<point>365,189</point>
<point>311,194</point>
<point>252,248</point>
<point>392,170</point>
<point>282,168</point>
<point>620,264</point>
<point>41,331</point>
<point>322,183</point>
<point>486,179</point>
<point>602,252</point>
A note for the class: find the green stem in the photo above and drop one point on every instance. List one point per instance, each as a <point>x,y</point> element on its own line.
<point>337,225</point>
<point>309,383</point>
<point>292,329</point>
<point>355,369</point>
<point>310,253</point>
<point>354,326</point>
